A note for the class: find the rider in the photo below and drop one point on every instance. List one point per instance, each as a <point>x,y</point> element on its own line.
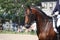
<point>57,10</point>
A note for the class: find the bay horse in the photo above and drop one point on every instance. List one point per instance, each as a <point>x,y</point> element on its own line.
<point>45,30</point>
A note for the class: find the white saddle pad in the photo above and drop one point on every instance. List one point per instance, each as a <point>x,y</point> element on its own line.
<point>54,26</point>
<point>58,21</point>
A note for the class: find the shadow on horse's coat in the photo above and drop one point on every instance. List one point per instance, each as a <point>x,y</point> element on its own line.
<point>44,23</point>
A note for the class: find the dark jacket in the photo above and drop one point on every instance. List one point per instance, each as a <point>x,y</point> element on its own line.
<point>57,7</point>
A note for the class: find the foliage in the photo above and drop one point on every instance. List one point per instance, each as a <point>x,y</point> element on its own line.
<point>17,7</point>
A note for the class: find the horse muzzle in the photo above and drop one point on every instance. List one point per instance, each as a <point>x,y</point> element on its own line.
<point>27,26</point>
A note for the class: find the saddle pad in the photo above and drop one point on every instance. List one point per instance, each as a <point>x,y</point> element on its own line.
<point>58,21</point>
<point>54,26</point>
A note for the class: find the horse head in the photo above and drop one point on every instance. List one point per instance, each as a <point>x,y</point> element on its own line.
<point>29,17</point>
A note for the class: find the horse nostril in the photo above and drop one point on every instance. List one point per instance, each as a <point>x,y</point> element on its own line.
<point>27,26</point>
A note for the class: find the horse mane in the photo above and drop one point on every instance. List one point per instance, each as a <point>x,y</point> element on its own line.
<point>41,12</point>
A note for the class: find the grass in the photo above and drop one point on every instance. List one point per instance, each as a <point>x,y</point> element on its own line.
<point>12,32</point>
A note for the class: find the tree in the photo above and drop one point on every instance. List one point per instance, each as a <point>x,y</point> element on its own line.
<point>13,7</point>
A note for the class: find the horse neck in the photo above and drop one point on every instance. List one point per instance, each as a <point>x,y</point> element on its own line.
<point>41,22</point>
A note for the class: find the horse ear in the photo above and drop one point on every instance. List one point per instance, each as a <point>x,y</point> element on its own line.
<point>28,6</point>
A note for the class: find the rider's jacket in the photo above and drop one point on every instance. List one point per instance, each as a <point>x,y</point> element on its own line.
<point>57,7</point>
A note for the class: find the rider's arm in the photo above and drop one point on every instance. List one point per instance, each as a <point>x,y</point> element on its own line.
<point>55,9</point>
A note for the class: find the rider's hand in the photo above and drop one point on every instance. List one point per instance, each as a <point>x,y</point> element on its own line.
<point>52,13</point>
